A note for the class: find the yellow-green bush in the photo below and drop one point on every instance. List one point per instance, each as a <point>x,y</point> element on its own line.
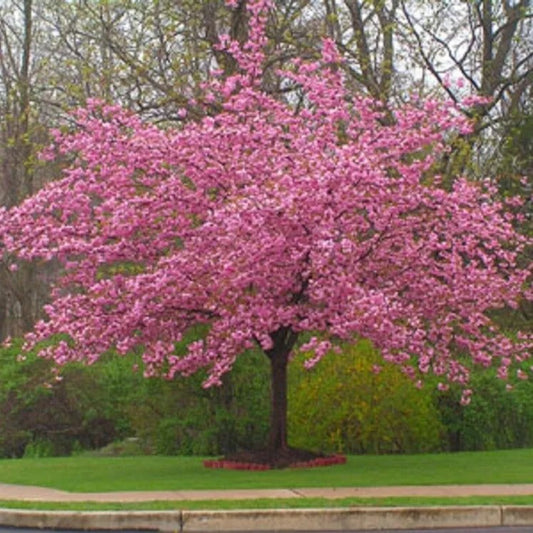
<point>344,405</point>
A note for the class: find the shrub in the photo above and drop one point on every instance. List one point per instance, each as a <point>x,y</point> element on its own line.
<point>91,407</point>
<point>179,417</point>
<point>43,416</point>
<point>344,405</point>
<point>496,418</point>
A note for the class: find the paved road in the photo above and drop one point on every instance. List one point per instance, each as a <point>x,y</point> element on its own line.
<point>462,530</point>
<point>19,530</point>
<point>456,530</point>
<point>448,530</point>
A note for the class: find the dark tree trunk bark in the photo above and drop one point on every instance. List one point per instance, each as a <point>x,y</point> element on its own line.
<point>284,340</point>
<point>277,439</point>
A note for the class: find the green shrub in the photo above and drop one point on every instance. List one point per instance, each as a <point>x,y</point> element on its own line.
<point>43,416</point>
<point>128,447</point>
<point>39,448</point>
<point>99,406</point>
<point>180,417</point>
<point>344,405</point>
<point>495,419</point>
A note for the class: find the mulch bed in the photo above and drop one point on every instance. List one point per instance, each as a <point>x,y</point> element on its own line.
<point>267,460</point>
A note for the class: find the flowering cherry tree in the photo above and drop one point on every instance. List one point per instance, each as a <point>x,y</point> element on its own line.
<point>272,222</point>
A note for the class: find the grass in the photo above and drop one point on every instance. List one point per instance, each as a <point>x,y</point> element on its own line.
<point>105,474</point>
<point>292,503</point>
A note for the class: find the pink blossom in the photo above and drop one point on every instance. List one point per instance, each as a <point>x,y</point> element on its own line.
<point>466,397</point>
<point>521,374</point>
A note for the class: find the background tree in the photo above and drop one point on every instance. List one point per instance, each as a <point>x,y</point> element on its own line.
<point>367,34</point>
<point>487,47</point>
<point>395,48</point>
<point>21,133</point>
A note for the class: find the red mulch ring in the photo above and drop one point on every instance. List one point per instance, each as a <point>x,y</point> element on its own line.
<point>264,460</point>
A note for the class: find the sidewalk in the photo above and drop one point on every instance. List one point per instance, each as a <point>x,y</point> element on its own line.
<point>28,493</point>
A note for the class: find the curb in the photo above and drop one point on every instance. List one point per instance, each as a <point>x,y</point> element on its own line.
<point>364,518</point>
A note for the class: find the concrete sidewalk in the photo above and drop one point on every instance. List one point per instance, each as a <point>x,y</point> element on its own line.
<point>29,493</point>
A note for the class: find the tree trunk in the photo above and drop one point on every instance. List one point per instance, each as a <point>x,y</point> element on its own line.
<point>284,340</point>
<point>277,439</point>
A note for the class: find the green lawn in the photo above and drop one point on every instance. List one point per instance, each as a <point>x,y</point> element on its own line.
<point>293,503</point>
<point>103,474</point>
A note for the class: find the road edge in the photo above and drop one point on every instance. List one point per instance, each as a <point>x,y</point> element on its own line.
<point>332,519</point>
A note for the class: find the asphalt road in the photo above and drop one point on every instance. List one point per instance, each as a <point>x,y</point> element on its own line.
<point>462,530</point>
<point>454,530</point>
<point>22,530</point>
